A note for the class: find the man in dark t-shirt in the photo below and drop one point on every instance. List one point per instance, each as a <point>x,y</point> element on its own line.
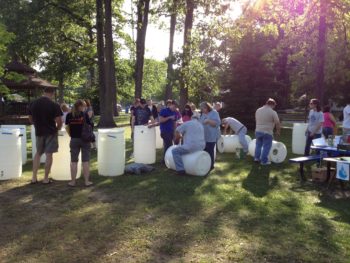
<point>46,117</point>
<point>142,114</point>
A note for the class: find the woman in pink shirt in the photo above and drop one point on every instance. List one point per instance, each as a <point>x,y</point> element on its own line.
<point>187,113</point>
<point>329,122</point>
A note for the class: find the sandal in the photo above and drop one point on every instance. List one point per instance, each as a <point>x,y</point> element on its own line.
<point>48,182</point>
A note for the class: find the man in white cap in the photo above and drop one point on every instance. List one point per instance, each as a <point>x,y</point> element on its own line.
<point>192,134</point>
<point>239,129</point>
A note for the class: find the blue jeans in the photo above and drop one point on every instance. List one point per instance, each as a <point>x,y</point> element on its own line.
<point>177,155</point>
<point>167,140</point>
<point>210,148</point>
<point>327,131</point>
<point>309,139</point>
<point>263,146</point>
<point>242,140</point>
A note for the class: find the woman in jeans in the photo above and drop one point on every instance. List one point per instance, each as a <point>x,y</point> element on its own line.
<point>74,126</point>
<point>329,122</point>
<point>211,122</point>
<point>315,122</point>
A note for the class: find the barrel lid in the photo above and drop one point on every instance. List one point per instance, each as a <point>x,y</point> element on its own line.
<point>8,131</point>
<point>111,131</point>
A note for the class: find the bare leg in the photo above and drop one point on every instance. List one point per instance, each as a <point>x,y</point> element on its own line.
<point>48,165</point>
<point>36,165</point>
<point>86,172</point>
<point>73,173</point>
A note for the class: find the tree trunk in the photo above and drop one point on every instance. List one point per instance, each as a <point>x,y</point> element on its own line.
<point>186,52</point>
<point>61,88</point>
<point>142,23</point>
<point>111,89</point>
<point>170,60</point>
<point>101,59</point>
<point>321,51</point>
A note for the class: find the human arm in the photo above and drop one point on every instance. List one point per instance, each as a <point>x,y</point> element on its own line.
<point>165,119</point>
<point>213,119</point>
<point>333,120</point>
<point>225,128</point>
<point>277,124</point>
<point>58,121</point>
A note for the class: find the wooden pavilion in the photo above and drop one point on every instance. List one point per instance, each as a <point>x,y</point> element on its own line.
<point>31,85</point>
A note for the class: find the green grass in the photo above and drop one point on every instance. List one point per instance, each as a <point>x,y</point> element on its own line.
<point>239,213</point>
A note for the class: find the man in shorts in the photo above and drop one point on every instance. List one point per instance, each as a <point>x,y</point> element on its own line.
<point>46,117</point>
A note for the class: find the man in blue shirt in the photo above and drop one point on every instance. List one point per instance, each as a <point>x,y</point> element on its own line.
<point>167,124</point>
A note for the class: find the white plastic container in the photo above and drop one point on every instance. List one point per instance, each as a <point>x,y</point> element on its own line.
<point>230,143</point>
<point>60,169</point>
<point>111,152</point>
<point>144,144</point>
<point>159,140</point>
<point>96,139</point>
<point>23,133</point>
<point>278,152</point>
<point>33,138</point>
<point>197,163</point>
<point>298,138</point>
<point>10,154</point>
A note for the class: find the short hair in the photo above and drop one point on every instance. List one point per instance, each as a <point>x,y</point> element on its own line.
<point>142,101</point>
<point>49,90</point>
<point>207,105</point>
<point>174,102</point>
<point>271,102</point>
<point>327,108</point>
<point>169,102</point>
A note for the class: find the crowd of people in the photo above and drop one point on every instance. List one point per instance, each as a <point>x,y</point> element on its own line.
<point>192,130</point>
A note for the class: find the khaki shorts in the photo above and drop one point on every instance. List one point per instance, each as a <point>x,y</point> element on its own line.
<point>47,144</point>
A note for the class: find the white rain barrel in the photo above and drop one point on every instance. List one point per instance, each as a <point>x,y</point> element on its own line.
<point>60,169</point>
<point>33,138</point>
<point>96,139</point>
<point>144,144</point>
<point>196,163</point>
<point>278,152</point>
<point>111,152</point>
<point>23,133</point>
<point>159,140</point>
<point>229,143</point>
<point>298,138</point>
<point>10,154</point>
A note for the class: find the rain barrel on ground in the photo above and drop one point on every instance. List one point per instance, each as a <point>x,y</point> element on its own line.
<point>159,140</point>
<point>230,143</point>
<point>23,133</point>
<point>196,163</point>
<point>144,144</point>
<point>278,152</point>
<point>60,169</point>
<point>298,138</point>
<point>10,154</point>
<point>111,152</point>
<point>33,138</point>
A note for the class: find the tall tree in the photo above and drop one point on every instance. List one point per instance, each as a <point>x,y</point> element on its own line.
<point>142,23</point>
<point>105,49</point>
<point>170,59</point>
<point>190,5</point>
<point>321,51</point>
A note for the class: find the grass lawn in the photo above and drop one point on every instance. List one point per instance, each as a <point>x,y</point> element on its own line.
<point>241,212</point>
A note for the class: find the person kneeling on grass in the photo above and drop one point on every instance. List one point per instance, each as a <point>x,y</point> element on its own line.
<point>192,133</point>
<point>74,126</point>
